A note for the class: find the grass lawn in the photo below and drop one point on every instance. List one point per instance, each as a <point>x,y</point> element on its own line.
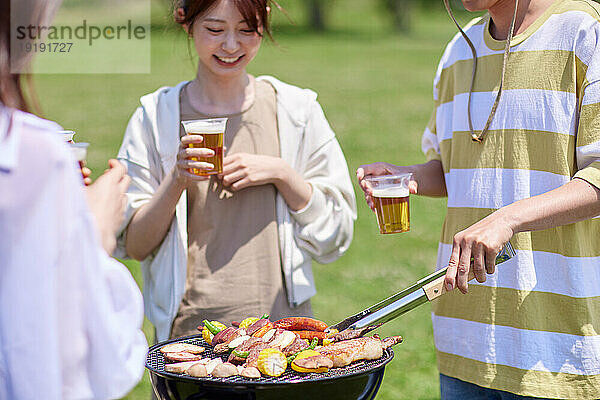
<point>375,88</point>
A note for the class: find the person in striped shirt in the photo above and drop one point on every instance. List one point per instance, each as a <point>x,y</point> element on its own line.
<point>514,143</point>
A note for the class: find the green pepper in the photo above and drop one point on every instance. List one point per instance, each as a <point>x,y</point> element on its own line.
<point>240,354</point>
<point>213,329</point>
<point>265,316</point>
<point>312,346</point>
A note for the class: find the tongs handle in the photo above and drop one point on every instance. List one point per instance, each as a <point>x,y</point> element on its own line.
<point>436,288</point>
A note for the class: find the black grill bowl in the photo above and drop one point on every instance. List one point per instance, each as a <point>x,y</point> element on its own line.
<point>359,381</point>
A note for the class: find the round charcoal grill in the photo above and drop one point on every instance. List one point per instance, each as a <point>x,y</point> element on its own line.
<point>360,380</point>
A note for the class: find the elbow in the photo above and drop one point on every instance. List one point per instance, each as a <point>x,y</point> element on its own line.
<point>136,254</point>
<point>134,251</point>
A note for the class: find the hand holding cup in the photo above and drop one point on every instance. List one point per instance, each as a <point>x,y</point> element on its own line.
<point>189,158</point>
<point>378,169</point>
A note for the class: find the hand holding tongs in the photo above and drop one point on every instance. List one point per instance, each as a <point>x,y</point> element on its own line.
<point>426,289</point>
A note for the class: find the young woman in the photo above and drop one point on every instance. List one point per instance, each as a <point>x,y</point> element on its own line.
<point>241,243</point>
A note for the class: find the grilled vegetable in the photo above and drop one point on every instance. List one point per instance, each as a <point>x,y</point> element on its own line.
<point>213,328</point>
<point>266,328</point>
<point>311,361</point>
<point>248,321</point>
<point>240,354</point>
<point>271,362</point>
<point>207,335</point>
<point>301,324</point>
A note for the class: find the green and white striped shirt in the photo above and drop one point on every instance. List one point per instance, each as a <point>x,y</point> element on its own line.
<point>533,327</point>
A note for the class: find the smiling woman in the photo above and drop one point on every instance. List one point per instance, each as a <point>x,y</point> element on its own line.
<point>240,243</point>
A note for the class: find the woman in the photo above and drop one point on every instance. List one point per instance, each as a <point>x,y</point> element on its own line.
<point>67,310</point>
<point>241,243</point>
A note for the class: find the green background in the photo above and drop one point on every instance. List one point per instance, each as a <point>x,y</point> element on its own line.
<point>376,90</point>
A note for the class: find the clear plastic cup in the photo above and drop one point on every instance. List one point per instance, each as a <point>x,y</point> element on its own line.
<point>67,136</point>
<point>212,131</point>
<point>80,153</point>
<point>391,200</point>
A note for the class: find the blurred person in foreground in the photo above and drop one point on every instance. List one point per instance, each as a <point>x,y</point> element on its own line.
<point>242,243</point>
<point>514,142</point>
<point>70,316</point>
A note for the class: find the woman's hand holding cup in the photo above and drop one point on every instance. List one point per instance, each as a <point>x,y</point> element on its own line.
<point>189,159</point>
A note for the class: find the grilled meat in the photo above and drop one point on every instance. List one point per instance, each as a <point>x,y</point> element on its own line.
<point>301,324</point>
<point>348,334</point>
<point>365,348</point>
<point>296,346</point>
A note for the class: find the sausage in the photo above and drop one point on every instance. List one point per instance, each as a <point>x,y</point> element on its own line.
<point>301,324</point>
<point>311,334</point>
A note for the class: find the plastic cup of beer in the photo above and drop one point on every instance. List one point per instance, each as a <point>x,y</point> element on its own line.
<point>79,151</point>
<point>212,131</point>
<point>67,136</point>
<point>390,197</point>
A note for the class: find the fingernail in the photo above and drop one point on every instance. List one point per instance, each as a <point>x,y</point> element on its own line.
<point>449,286</point>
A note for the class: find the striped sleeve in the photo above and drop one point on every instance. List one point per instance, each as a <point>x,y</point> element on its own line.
<point>588,133</point>
<point>429,142</point>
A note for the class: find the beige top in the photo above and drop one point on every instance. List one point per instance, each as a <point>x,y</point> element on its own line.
<point>234,266</point>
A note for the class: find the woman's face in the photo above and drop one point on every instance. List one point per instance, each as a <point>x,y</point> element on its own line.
<point>224,42</point>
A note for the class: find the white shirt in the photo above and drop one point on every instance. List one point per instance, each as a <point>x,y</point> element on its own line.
<point>70,316</point>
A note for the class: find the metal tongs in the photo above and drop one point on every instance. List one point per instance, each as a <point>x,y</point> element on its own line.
<point>426,289</point>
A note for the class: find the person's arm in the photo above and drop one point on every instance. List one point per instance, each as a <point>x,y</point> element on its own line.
<point>151,222</point>
<point>575,201</point>
<point>242,170</point>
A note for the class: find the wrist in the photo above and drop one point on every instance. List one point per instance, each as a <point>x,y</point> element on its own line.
<point>177,181</point>
<point>508,217</point>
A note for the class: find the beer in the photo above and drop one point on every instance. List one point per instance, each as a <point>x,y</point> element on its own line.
<point>213,141</point>
<point>212,132</point>
<point>79,151</point>
<point>392,210</point>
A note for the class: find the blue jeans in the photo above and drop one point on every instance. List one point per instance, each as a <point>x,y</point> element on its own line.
<point>455,389</point>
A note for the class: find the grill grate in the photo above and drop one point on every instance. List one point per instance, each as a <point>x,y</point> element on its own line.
<point>155,362</point>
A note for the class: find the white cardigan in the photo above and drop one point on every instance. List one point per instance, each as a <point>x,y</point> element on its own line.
<point>322,230</point>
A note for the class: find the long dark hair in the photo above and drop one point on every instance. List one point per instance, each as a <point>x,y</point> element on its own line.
<point>254,12</point>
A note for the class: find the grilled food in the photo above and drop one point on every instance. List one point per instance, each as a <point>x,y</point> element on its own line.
<point>182,347</point>
<point>301,324</point>
<point>365,348</point>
